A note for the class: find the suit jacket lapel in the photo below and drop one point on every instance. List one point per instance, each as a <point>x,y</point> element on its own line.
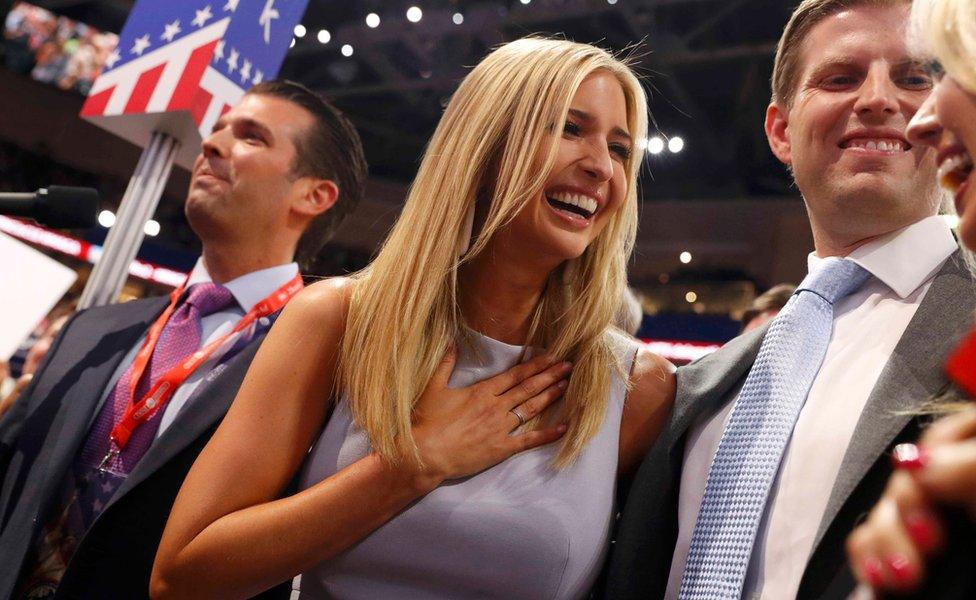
<point>81,397</point>
<point>913,374</point>
<point>704,385</point>
<point>207,406</point>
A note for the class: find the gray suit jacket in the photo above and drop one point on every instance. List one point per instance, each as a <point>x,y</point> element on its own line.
<point>640,560</point>
<point>43,431</point>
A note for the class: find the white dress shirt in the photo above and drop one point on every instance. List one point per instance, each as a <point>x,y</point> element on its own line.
<point>247,290</point>
<point>867,326</point>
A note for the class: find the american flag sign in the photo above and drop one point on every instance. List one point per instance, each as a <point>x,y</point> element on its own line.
<point>180,64</point>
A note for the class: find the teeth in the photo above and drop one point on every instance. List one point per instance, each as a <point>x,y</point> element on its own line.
<point>884,145</point>
<point>585,202</point>
<point>954,170</point>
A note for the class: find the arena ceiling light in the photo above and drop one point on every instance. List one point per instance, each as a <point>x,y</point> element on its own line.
<point>346,50</point>
<point>372,20</point>
<point>106,218</point>
<point>414,14</point>
<point>676,145</point>
<point>685,257</point>
<point>655,145</point>
<point>151,228</point>
<point>324,36</point>
<point>458,18</point>
<point>300,31</point>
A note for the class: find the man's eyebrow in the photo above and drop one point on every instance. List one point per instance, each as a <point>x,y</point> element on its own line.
<point>911,63</point>
<point>587,117</point>
<point>247,123</point>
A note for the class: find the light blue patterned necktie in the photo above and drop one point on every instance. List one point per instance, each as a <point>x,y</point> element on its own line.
<point>752,445</point>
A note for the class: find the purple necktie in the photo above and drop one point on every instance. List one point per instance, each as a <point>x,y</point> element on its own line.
<point>180,338</point>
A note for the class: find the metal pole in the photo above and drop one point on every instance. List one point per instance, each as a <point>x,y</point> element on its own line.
<point>138,205</point>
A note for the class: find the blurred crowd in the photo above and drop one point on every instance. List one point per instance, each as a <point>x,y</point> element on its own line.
<point>55,49</point>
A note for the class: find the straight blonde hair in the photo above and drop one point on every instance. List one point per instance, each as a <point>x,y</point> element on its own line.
<point>507,113</point>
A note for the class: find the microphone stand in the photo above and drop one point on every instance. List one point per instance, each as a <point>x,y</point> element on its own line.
<point>138,205</point>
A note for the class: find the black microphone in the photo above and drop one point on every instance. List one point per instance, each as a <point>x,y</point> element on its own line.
<point>57,206</point>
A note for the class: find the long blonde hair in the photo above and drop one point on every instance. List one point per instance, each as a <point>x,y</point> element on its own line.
<point>404,312</point>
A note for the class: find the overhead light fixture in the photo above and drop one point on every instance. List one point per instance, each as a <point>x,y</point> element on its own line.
<point>414,14</point>
<point>106,218</point>
<point>691,297</point>
<point>655,145</point>
<point>685,257</point>
<point>151,228</point>
<point>458,18</point>
<point>372,20</point>
<point>676,145</point>
<point>324,36</point>
<point>346,50</point>
<point>300,30</point>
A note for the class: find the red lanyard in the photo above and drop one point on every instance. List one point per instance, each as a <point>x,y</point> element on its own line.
<point>139,412</point>
<point>961,365</point>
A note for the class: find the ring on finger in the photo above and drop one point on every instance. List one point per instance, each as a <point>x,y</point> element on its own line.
<point>518,415</point>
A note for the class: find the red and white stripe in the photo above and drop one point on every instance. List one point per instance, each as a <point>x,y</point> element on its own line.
<point>216,95</point>
<point>166,79</point>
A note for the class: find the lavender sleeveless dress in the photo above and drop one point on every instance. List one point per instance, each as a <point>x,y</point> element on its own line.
<point>518,530</point>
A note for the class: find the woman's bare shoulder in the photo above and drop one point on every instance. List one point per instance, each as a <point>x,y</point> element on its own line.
<point>326,299</point>
<point>652,378</point>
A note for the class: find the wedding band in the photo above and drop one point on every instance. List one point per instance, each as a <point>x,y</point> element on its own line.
<point>518,416</point>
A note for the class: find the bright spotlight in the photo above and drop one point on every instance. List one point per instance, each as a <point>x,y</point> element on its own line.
<point>346,50</point>
<point>151,228</point>
<point>611,1</point>
<point>414,14</point>
<point>106,218</point>
<point>655,145</point>
<point>676,145</point>
<point>458,18</point>
<point>372,20</point>
<point>685,257</point>
<point>324,36</point>
<point>300,30</point>
<point>292,44</point>
<point>525,1</point>
<point>691,297</point>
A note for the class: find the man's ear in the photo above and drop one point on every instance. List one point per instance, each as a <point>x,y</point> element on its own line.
<point>319,196</point>
<point>777,123</point>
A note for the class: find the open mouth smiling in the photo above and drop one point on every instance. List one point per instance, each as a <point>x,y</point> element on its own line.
<point>573,205</point>
<point>955,167</point>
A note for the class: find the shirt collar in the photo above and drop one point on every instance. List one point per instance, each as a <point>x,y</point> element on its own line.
<point>251,288</point>
<point>904,259</point>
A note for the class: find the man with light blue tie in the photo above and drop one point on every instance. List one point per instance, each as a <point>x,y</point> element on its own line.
<point>779,441</point>
<point>94,451</point>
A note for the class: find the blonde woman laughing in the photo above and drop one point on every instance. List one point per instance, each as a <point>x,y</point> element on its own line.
<point>436,469</point>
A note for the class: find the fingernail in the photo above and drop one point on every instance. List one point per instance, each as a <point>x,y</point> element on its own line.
<point>872,570</point>
<point>562,384</point>
<point>901,568</point>
<point>922,530</point>
<point>566,366</point>
<point>910,457</point>
<point>561,428</point>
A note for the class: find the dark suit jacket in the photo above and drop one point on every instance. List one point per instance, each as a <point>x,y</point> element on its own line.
<point>640,560</point>
<point>43,431</point>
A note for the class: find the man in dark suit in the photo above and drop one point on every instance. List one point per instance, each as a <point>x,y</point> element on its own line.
<point>86,480</point>
<point>775,449</point>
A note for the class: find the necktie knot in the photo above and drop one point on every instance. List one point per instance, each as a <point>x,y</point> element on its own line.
<point>835,279</point>
<point>209,298</point>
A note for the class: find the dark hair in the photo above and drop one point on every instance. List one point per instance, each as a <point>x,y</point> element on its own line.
<point>332,150</point>
<point>775,298</point>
